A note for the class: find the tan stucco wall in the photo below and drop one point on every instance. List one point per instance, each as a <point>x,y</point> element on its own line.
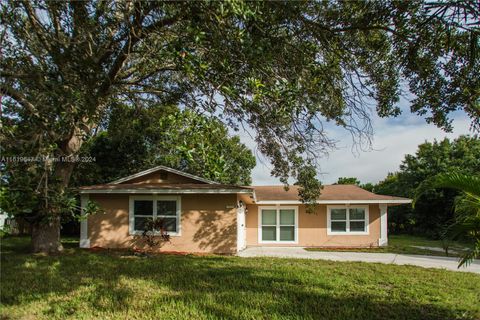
<point>312,229</point>
<point>207,225</point>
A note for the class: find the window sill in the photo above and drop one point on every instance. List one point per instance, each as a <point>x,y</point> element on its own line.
<point>330,233</point>
<point>278,242</point>
<point>139,233</point>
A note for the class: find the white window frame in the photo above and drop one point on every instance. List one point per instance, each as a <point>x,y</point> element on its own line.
<point>348,232</point>
<point>154,198</point>
<point>277,208</point>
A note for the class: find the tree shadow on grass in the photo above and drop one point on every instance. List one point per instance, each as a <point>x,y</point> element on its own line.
<point>215,287</point>
<point>23,245</point>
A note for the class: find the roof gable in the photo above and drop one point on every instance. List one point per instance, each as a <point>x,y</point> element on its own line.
<point>153,176</point>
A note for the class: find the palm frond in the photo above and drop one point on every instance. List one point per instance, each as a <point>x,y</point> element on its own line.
<point>467,205</point>
<point>471,255</point>
<point>467,209</point>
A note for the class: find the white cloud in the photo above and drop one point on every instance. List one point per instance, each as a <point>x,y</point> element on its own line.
<point>391,144</point>
<point>392,140</point>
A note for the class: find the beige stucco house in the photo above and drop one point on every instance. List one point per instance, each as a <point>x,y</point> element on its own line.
<point>205,216</point>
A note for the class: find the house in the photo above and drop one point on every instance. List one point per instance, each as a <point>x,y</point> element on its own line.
<point>204,216</point>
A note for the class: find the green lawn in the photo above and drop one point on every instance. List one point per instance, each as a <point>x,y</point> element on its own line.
<point>113,285</point>
<point>405,244</point>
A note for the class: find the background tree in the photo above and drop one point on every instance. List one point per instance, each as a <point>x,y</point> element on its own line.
<point>283,68</point>
<point>368,186</point>
<point>435,209</point>
<point>348,180</point>
<point>143,137</point>
<point>353,180</point>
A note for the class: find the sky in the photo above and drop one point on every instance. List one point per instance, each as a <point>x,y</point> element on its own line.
<point>393,138</point>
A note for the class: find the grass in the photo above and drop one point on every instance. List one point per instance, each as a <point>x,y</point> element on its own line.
<point>404,244</point>
<point>109,285</point>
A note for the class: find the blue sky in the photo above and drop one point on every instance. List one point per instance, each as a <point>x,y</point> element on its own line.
<point>392,139</point>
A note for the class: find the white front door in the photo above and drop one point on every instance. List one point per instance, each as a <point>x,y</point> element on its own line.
<point>241,229</point>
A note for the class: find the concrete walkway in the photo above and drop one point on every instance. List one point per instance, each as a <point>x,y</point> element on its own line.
<point>449,263</point>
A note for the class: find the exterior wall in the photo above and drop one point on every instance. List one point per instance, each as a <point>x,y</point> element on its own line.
<point>207,225</point>
<point>312,229</point>
<point>156,177</point>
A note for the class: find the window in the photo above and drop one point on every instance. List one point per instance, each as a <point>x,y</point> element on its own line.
<point>278,224</point>
<point>357,220</point>
<point>167,210</point>
<point>347,220</point>
<point>338,218</point>
<point>143,208</point>
<point>142,211</point>
<point>269,225</point>
<point>287,225</point>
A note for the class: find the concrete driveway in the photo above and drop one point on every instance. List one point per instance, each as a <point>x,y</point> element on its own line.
<point>401,259</point>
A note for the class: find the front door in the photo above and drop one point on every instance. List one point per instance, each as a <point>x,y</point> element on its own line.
<point>241,229</point>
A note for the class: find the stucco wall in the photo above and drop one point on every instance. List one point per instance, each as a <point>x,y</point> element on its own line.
<point>207,225</point>
<point>312,229</point>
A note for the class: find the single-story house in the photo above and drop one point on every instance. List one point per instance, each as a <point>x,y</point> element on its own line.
<point>204,216</point>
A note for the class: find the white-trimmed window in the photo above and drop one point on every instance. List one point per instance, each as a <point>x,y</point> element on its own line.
<point>347,220</point>
<point>166,208</point>
<point>278,224</point>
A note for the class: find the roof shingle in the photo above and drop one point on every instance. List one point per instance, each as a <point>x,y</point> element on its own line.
<point>262,193</point>
<point>329,192</point>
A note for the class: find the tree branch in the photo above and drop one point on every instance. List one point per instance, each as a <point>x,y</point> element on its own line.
<point>138,80</point>
<point>134,37</point>
<point>18,97</point>
<point>37,26</point>
<point>356,28</point>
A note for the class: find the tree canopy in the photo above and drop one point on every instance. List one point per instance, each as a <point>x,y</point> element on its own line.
<point>282,68</point>
<point>353,180</point>
<point>348,180</point>
<point>140,138</point>
<point>434,210</point>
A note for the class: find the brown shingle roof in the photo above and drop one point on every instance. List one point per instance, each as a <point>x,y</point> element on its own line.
<point>329,192</point>
<point>263,193</point>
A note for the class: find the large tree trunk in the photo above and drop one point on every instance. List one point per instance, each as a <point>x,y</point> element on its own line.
<point>46,237</point>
